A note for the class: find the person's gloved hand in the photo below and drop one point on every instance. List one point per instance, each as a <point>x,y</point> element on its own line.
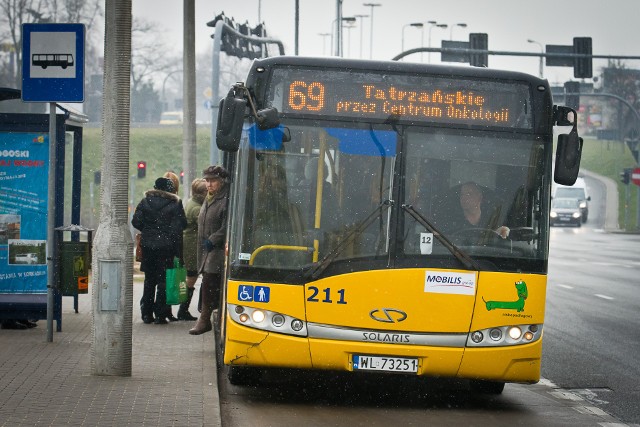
<point>207,245</point>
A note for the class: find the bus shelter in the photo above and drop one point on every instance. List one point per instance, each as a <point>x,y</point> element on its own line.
<point>24,201</point>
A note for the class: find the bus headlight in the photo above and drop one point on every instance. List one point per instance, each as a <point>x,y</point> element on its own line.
<point>296,325</point>
<point>266,320</point>
<point>277,320</point>
<point>515,333</point>
<point>505,336</point>
<point>477,337</point>
<point>258,316</point>
<point>553,214</point>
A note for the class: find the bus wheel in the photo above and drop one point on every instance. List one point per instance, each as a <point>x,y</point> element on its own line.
<point>486,387</point>
<point>244,375</point>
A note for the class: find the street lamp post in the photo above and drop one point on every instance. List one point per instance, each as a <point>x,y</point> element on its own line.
<point>415,25</point>
<point>461,25</point>
<point>349,19</point>
<point>540,71</point>
<point>324,42</point>
<point>349,26</point>
<point>431,24</point>
<point>361,28</point>
<point>443,26</point>
<point>371,5</point>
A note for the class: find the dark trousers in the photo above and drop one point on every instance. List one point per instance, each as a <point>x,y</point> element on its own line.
<point>154,294</point>
<point>210,289</point>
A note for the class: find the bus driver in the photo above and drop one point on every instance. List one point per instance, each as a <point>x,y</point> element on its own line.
<point>474,213</point>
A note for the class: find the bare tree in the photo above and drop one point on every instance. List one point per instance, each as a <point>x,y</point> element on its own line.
<point>14,13</point>
<point>149,56</point>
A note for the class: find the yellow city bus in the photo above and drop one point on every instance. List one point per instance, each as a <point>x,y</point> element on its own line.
<point>349,248</point>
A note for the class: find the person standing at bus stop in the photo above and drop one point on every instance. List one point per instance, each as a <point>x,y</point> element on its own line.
<point>190,242</point>
<point>212,228</point>
<point>176,188</point>
<point>160,218</point>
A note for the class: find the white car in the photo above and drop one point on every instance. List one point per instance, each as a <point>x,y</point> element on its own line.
<point>28,258</point>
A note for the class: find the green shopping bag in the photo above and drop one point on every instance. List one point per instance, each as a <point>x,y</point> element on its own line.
<point>176,283</point>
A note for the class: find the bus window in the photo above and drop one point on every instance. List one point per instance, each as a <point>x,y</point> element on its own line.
<point>500,167</point>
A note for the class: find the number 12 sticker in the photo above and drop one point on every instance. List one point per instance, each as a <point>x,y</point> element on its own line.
<point>426,243</point>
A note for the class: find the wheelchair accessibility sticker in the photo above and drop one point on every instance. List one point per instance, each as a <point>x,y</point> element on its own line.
<point>248,293</point>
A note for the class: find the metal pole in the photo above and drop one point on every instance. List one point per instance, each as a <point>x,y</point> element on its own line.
<point>214,153</point>
<point>51,212</point>
<point>638,208</point>
<point>422,41</point>
<point>338,46</point>
<point>371,5</point>
<point>540,69</point>
<point>627,197</point>
<point>361,30</point>
<point>189,94</point>
<point>297,25</point>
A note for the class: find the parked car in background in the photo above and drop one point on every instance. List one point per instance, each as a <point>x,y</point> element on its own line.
<point>171,118</point>
<point>577,191</point>
<point>565,211</point>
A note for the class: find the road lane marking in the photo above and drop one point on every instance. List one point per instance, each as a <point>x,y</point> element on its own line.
<point>604,296</point>
<point>565,286</point>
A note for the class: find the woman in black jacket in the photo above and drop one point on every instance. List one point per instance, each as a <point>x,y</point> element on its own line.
<point>160,218</point>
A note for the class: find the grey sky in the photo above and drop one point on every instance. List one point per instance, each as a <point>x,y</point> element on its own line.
<point>613,26</point>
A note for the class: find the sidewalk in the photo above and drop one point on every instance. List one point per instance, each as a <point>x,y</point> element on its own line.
<point>173,381</point>
<point>611,202</point>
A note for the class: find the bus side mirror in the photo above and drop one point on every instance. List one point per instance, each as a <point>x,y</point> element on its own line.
<point>568,155</point>
<point>230,118</point>
<point>267,119</point>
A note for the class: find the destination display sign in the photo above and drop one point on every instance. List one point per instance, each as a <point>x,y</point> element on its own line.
<point>400,97</point>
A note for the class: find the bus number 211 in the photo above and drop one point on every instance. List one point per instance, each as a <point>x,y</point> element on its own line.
<point>327,295</point>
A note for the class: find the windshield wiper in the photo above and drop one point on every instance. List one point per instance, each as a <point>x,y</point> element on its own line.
<point>461,255</point>
<point>317,269</point>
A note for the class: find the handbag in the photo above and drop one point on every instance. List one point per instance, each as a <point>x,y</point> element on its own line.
<point>139,247</point>
<point>176,283</point>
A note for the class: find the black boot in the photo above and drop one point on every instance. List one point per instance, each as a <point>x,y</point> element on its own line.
<point>170,316</point>
<point>183,311</point>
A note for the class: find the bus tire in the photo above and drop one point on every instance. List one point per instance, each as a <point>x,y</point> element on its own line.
<point>486,387</point>
<point>244,375</point>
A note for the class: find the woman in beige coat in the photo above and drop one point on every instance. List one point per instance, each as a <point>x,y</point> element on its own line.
<point>212,229</point>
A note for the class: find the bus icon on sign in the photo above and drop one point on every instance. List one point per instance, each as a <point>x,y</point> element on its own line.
<point>45,60</point>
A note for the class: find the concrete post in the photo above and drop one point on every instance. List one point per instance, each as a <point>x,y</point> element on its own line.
<point>189,96</point>
<point>112,269</point>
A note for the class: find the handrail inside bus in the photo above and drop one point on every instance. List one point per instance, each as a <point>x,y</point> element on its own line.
<point>279,248</point>
<point>359,228</point>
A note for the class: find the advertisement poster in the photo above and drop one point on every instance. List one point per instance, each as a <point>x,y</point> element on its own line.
<point>24,168</point>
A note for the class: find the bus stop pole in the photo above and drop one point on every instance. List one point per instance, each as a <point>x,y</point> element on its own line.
<point>51,219</point>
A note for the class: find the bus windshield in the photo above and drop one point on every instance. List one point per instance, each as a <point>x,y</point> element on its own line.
<point>340,193</point>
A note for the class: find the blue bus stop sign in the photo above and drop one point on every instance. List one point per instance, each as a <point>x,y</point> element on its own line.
<point>53,62</point>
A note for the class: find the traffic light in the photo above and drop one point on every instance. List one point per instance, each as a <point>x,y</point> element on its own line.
<point>142,169</point>
<point>625,176</point>
<point>572,101</point>
<point>479,41</point>
<point>181,176</point>
<point>97,177</point>
<point>582,67</point>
